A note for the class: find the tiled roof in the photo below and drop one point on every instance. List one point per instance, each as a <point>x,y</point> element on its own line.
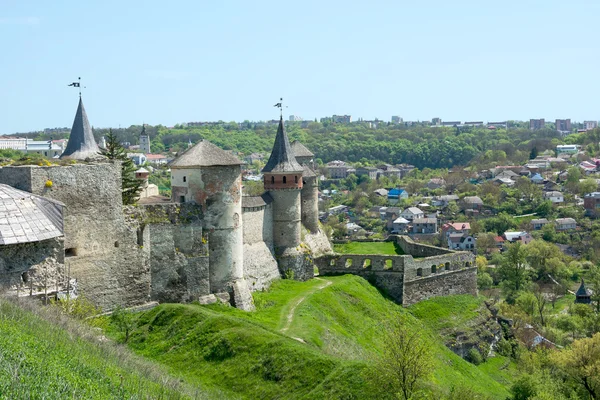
<point>282,158</point>
<point>204,154</point>
<point>256,201</point>
<point>25,217</point>
<point>81,144</point>
<point>300,150</point>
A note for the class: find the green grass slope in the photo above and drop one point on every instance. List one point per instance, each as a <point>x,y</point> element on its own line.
<point>382,248</point>
<point>42,360</point>
<point>306,340</point>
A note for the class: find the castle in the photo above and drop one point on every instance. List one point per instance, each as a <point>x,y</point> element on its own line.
<point>207,241</point>
<point>64,228</point>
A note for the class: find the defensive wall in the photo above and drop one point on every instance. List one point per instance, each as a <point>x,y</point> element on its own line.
<point>424,272</point>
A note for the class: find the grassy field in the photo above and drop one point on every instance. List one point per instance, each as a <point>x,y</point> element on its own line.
<point>382,248</point>
<point>63,360</point>
<point>307,340</point>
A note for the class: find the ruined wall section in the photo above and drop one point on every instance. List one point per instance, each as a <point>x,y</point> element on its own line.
<point>32,265</point>
<point>100,246</point>
<point>417,249</point>
<point>260,265</point>
<point>463,281</point>
<point>172,237</point>
<point>384,272</point>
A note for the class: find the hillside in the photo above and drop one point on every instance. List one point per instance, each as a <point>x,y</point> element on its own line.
<point>313,339</point>
<point>63,359</point>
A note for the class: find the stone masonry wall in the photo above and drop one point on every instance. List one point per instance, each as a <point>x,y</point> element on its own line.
<point>384,272</point>
<point>39,260</point>
<point>260,266</point>
<point>101,248</point>
<point>463,281</point>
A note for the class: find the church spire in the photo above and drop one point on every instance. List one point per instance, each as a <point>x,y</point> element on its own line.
<point>282,159</point>
<point>81,143</point>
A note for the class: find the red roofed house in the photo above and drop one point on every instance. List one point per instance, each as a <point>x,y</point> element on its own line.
<point>456,227</point>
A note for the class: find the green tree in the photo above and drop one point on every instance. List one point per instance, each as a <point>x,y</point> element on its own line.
<point>406,359</point>
<point>534,153</point>
<point>581,362</point>
<point>131,186</point>
<point>513,269</point>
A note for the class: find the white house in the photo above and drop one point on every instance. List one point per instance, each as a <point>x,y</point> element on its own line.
<point>539,223</point>
<point>565,224</point>
<point>461,241</point>
<point>554,196</point>
<point>411,213</point>
<point>399,225</point>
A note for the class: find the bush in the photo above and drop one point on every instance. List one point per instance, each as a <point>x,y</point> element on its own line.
<point>474,356</point>
<point>504,348</point>
<point>484,280</point>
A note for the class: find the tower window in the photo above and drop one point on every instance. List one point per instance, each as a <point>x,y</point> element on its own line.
<point>284,179</point>
<point>272,179</point>
<point>185,179</point>
<point>296,179</point>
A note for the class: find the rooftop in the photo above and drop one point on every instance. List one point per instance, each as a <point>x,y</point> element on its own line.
<point>204,154</point>
<point>282,158</point>
<point>81,144</point>
<point>25,217</point>
<point>300,150</point>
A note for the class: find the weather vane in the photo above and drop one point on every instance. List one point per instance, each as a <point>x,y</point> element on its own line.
<point>280,105</point>
<point>77,85</point>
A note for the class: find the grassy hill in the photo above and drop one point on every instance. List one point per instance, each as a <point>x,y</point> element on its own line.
<point>306,340</point>
<point>45,355</point>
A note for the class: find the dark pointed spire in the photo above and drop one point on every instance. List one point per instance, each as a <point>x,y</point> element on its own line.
<point>143,132</point>
<point>81,143</point>
<point>582,291</point>
<point>282,158</point>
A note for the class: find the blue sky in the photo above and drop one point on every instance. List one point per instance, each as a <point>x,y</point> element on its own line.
<point>179,61</point>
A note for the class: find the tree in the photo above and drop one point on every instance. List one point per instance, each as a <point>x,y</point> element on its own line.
<point>125,322</point>
<point>486,242</point>
<point>534,153</point>
<point>593,282</point>
<point>581,362</point>
<point>406,359</point>
<point>513,269</point>
<point>131,186</point>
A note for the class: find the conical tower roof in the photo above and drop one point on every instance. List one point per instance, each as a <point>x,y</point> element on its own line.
<point>300,150</point>
<point>582,291</point>
<point>205,154</point>
<point>282,158</point>
<point>81,143</point>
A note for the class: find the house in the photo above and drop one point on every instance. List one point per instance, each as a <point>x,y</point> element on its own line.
<point>554,196</point>
<point>591,203</point>
<point>567,149</point>
<point>507,174</point>
<point>338,210</point>
<point>381,192</point>
<point>157,159</point>
<point>371,172</point>
<point>513,237</point>
<point>504,181</point>
<point>436,183</point>
<point>472,203</point>
<point>337,169</point>
<point>456,227</point>
<point>538,224</point>
<point>254,157</point>
<point>583,295</point>
<point>443,201</point>
<point>565,224</point>
<point>399,225</point>
<point>424,225</point>
<point>353,229</point>
<point>394,195</point>
<point>411,213</point>
<point>461,241</point>
<point>392,171</point>
<point>537,178</point>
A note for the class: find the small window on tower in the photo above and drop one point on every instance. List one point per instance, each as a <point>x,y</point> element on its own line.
<point>284,179</point>
<point>272,179</point>
<point>296,179</point>
<point>184,179</point>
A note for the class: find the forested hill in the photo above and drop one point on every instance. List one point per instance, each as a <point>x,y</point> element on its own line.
<point>422,146</point>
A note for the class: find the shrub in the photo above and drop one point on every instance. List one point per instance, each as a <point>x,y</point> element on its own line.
<point>474,356</point>
<point>484,280</point>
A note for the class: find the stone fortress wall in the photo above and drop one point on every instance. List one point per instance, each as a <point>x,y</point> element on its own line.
<point>424,272</point>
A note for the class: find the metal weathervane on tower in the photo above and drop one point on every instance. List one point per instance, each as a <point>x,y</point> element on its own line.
<point>77,85</point>
<point>280,105</point>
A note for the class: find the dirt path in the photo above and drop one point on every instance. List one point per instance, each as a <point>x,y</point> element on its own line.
<point>290,315</point>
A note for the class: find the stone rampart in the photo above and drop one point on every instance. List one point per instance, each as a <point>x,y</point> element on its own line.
<point>260,266</point>
<point>426,271</point>
<point>101,249</point>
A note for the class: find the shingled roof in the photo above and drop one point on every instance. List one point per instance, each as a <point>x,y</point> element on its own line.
<point>256,201</point>
<point>205,154</point>
<point>282,158</point>
<point>81,143</point>
<point>300,150</point>
<point>25,217</point>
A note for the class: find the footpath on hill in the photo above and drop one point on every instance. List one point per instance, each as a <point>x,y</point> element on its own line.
<point>296,302</point>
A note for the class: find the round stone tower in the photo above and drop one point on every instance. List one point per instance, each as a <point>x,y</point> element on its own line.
<point>211,177</point>
<point>310,187</point>
<point>283,180</point>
